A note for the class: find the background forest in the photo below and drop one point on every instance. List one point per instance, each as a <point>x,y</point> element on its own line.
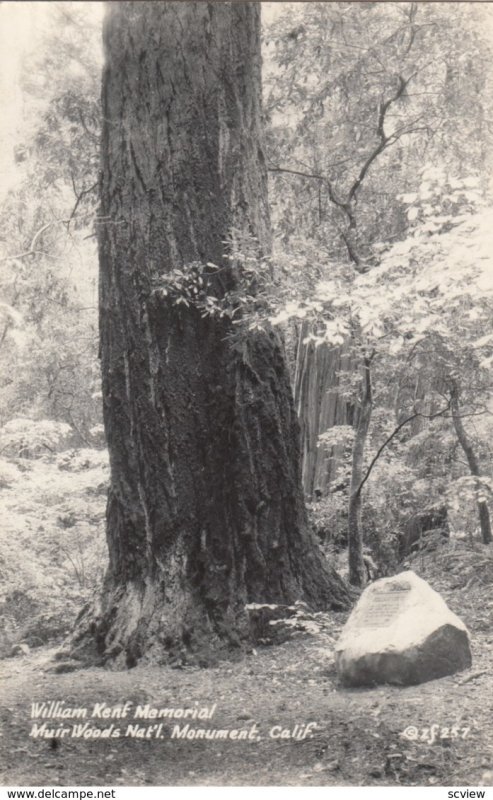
<point>379,133</point>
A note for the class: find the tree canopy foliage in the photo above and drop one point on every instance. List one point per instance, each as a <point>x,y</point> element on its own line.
<point>380,155</point>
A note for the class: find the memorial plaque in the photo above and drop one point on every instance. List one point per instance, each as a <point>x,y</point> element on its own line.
<point>383,607</point>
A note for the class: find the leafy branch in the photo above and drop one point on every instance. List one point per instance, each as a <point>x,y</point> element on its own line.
<point>394,433</point>
<point>32,251</point>
<point>384,141</point>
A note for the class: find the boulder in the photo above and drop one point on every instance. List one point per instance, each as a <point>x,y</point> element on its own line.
<point>401,632</point>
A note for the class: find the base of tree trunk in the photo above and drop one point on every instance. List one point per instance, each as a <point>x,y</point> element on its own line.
<point>130,628</point>
<point>136,623</point>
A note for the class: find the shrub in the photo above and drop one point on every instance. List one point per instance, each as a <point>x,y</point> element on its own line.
<point>29,438</point>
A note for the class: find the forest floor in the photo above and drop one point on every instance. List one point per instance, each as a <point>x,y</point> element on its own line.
<point>49,508</point>
<point>358,739</point>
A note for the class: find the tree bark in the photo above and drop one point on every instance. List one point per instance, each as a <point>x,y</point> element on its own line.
<point>463,439</point>
<point>205,510</point>
<point>357,573</point>
<point>320,406</point>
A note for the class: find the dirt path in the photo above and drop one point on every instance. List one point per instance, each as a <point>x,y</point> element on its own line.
<point>357,739</point>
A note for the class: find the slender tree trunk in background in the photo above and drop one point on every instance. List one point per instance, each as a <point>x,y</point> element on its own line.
<point>463,439</point>
<point>357,574</point>
<point>205,510</point>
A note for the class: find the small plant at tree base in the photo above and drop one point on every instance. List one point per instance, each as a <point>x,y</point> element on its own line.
<point>271,623</point>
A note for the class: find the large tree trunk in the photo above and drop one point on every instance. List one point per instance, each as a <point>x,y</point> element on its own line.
<point>205,509</point>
